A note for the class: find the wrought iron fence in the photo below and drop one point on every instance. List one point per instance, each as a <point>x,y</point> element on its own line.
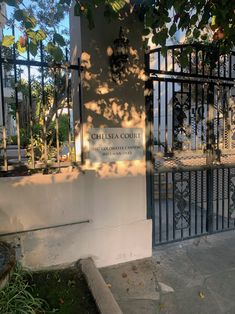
<point>193,202</point>
<point>36,112</point>
<point>192,186</point>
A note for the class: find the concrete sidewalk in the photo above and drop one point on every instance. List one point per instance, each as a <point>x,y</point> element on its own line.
<point>191,277</point>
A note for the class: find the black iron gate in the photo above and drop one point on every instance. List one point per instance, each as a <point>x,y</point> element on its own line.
<point>191,141</point>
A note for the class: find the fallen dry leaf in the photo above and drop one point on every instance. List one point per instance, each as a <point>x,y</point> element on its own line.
<point>109,285</point>
<point>201,295</point>
<point>161,306</point>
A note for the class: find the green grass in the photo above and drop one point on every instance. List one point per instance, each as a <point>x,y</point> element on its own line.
<point>65,291</point>
<point>17,297</point>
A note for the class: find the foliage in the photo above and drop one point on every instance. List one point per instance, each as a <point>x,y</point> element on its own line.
<point>17,298</point>
<point>24,138</point>
<point>162,20</point>
<point>39,149</point>
<point>39,141</point>
<point>38,20</point>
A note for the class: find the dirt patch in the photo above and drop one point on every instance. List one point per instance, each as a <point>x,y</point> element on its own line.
<point>65,291</point>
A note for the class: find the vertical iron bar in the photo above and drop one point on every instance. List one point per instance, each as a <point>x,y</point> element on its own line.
<point>223,197</point>
<point>190,200</point>
<point>210,155</point>
<point>31,107</point>
<point>149,146</point>
<point>160,207</point>
<point>159,116</point>
<point>159,60</point>
<point>68,107</point>
<point>210,125</point>
<point>16,99</point>
<point>218,114</point>
<point>196,60</point>
<point>56,118</point>
<point>173,60</point>
<point>196,115</point>
<point>43,105</point>
<point>3,115</point>
<point>159,104</point>
<point>210,186</point>
<point>225,57</point>
<point>182,230</point>
<point>190,113</point>
<point>81,109</point>
<point>173,199</point>
<point>166,61</point>
<point>196,202</point>
<point>217,198</point>
<point>166,117</point>
<point>167,209</point>
<point>230,65</point>
<point>203,62</point>
<point>228,211</point>
<point>202,194</point>
<point>190,63</point>
<point>203,116</point>
<point>173,115</point>
<point>181,53</point>
<point>218,70</point>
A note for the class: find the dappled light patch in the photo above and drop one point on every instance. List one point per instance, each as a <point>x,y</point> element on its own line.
<point>86,60</point>
<point>104,89</point>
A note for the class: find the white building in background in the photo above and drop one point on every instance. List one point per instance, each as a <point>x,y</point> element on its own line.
<point>8,83</point>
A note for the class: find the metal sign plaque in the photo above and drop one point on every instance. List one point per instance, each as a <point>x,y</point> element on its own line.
<point>114,144</point>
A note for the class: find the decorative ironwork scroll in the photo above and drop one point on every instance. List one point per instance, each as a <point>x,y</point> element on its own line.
<point>181,194</point>
<point>181,131</point>
<point>232,195</point>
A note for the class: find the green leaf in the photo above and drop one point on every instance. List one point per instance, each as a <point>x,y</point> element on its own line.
<point>32,35</point>
<point>194,19</point>
<point>33,48</point>
<point>20,49</point>
<point>55,51</point>
<point>8,41</point>
<point>116,5</point>
<point>20,15</point>
<point>196,33</point>
<point>213,20</point>
<point>183,60</point>
<point>146,31</point>
<point>40,35</point>
<point>167,19</point>
<point>173,29</point>
<point>59,39</point>
<point>30,22</point>
<point>162,36</point>
<point>204,37</point>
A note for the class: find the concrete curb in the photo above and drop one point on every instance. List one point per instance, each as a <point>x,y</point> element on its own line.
<point>99,289</point>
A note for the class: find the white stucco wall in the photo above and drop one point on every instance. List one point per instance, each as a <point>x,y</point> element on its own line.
<point>117,230</point>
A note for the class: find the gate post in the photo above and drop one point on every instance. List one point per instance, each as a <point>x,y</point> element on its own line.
<point>210,156</point>
<point>149,142</point>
